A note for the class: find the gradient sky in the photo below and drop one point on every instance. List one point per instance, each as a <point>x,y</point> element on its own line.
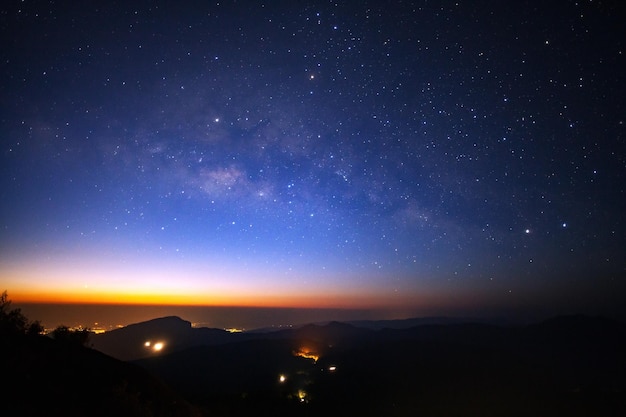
<point>449,155</point>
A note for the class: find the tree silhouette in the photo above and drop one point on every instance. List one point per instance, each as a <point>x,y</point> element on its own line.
<point>34,328</point>
<point>13,322</point>
<point>68,336</point>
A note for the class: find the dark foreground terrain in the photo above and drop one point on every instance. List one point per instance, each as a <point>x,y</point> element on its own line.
<point>45,377</point>
<point>569,366</point>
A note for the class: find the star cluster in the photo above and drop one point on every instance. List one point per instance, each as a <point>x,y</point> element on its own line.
<point>397,153</point>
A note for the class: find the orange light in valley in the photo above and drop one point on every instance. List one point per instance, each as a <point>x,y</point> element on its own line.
<point>307,353</point>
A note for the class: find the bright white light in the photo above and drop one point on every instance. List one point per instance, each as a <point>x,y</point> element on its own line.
<point>147,344</point>
<point>282,378</point>
<point>332,368</point>
<point>302,395</point>
<point>158,346</point>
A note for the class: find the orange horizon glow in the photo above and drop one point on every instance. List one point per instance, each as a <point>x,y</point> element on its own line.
<point>207,284</point>
<point>194,283</point>
<point>313,300</point>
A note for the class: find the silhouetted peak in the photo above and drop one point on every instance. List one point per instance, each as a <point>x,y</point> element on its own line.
<point>165,321</point>
<point>338,325</point>
<point>169,324</point>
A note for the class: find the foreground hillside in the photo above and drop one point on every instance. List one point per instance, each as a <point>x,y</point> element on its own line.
<point>569,366</point>
<point>45,377</point>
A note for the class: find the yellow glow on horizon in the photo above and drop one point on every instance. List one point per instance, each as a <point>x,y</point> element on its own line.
<point>91,282</point>
<point>228,297</point>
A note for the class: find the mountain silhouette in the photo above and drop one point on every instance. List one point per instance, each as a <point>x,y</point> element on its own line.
<point>572,366</point>
<point>138,340</point>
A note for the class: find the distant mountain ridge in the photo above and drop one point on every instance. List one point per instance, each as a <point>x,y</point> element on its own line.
<point>129,342</point>
<point>571,366</point>
<point>379,324</point>
<point>138,340</point>
<point>409,322</point>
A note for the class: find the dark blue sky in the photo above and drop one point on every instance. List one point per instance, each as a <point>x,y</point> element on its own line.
<point>426,156</point>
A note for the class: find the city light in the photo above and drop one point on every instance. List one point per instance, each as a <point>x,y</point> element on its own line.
<point>302,395</point>
<point>158,346</point>
<point>233,330</point>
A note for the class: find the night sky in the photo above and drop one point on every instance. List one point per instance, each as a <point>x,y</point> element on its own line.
<point>427,156</point>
